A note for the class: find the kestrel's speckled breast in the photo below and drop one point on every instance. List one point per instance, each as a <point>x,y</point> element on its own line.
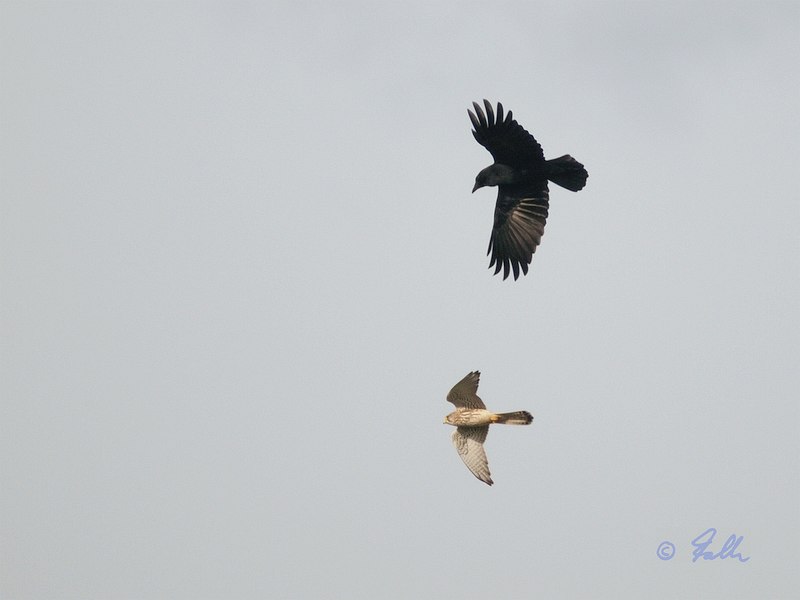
<point>470,417</point>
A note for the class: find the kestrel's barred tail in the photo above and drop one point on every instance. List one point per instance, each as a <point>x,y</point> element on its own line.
<point>520,417</point>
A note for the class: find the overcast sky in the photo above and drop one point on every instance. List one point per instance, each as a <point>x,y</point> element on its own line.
<point>241,268</point>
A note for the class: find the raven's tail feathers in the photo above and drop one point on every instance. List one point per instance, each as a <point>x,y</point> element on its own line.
<point>567,172</point>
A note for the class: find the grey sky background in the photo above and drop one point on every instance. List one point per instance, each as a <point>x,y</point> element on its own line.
<point>241,268</point>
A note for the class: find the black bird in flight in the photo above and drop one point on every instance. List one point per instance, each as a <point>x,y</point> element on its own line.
<point>520,173</point>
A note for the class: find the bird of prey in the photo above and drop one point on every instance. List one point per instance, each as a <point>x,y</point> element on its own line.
<point>472,422</point>
<point>520,172</point>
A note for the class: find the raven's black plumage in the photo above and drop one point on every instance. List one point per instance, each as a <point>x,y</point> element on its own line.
<point>520,173</point>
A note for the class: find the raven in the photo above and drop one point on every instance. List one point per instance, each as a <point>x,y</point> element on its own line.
<point>520,173</point>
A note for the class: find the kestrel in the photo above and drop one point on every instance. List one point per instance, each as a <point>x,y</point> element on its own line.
<point>472,421</point>
<point>520,172</point>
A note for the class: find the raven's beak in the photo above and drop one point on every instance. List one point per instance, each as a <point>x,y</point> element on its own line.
<point>477,185</point>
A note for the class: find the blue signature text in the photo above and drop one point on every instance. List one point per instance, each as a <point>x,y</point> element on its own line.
<point>705,539</point>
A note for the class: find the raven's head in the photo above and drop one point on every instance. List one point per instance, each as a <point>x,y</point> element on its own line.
<point>496,174</point>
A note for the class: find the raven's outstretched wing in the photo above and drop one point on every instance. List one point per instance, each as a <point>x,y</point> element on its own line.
<point>519,220</point>
<point>506,139</point>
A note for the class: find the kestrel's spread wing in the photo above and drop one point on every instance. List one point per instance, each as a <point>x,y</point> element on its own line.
<point>464,393</point>
<point>519,220</point>
<point>504,138</point>
<point>469,443</point>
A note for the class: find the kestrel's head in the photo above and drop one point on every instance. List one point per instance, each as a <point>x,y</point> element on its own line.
<point>448,420</point>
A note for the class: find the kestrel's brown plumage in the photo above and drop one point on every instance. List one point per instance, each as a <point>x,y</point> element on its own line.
<point>472,422</point>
